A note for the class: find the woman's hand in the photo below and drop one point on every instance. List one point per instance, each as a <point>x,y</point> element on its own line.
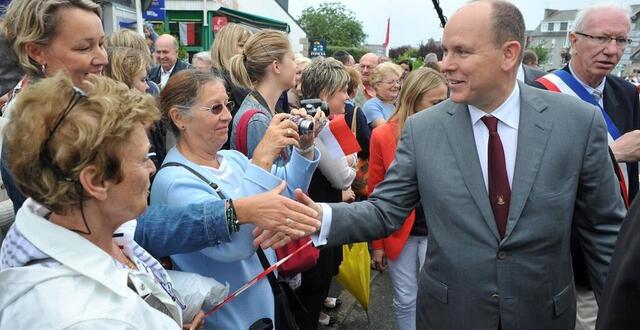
<point>348,196</point>
<point>379,260</point>
<point>196,324</point>
<point>274,213</point>
<point>280,133</point>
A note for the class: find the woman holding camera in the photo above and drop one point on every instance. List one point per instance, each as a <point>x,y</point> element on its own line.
<point>52,36</point>
<point>267,68</point>
<point>326,79</point>
<point>197,107</point>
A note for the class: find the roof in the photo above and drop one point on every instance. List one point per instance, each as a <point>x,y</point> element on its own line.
<point>562,16</point>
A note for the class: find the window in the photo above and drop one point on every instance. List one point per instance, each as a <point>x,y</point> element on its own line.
<point>563,26</point>
<point>550,27</point>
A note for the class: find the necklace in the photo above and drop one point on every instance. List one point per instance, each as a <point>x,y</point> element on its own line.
<point>127,262</point>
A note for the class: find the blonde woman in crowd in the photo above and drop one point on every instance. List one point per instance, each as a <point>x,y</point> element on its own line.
<point>294,94</point>
<point>405,250</point>
<point>127,65</point>
<point>385,79</point>
<point>266,67</point>
<point>227,43</point>
<point>130,39</point>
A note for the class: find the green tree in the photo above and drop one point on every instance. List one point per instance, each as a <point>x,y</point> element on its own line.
<point>334,23</point>
<point>543,54</point>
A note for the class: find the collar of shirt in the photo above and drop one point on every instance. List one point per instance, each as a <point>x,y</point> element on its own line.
<point>168,71</point>
<point>589,89</point>
<point>508,112</point>
<point>76,253</point>
<point>520,75</point>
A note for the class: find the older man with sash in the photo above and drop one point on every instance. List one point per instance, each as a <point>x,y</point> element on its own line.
<point>598,40</point>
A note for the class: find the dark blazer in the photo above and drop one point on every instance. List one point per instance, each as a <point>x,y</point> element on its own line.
<point>154,73</point>
<point>473,279</point>
<point>621,301</point>
<point>620,102</point>
<point>531,74</point>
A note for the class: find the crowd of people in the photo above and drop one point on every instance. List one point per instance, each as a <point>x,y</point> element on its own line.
<point>141,191</point>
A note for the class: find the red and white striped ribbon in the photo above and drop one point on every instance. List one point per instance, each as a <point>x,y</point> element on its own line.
<point>254,280</point>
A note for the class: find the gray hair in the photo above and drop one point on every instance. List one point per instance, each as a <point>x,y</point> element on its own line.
<point>205,56</point>
<point>583,14</point>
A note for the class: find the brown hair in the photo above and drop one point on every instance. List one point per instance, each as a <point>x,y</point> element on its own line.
<point>355,79</point>
<point>64,136</point>
<point>128,38</point>
<point>323,76</point>
<point>36,21</point>
<point>261,49</point>
<point>182,91</point>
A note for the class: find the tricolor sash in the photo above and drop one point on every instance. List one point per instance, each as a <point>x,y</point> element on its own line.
<point>564,82</point>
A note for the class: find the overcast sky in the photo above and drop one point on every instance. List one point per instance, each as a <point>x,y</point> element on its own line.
<point>413,21</point>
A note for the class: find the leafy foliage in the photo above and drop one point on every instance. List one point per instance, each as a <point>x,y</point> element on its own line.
<point>334,23</point>
<point>543,54</point>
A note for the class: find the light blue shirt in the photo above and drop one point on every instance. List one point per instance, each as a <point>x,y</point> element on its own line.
<point>235,262</point>
<point>376,109</point>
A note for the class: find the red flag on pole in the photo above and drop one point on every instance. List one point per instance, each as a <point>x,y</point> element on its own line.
<point>386,39</point>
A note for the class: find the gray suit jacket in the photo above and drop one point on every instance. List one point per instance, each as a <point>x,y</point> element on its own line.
<point>471,279</point>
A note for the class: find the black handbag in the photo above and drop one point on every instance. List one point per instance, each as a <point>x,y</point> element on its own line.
<point>285,300</point>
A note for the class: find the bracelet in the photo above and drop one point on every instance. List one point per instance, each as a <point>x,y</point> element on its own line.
<point>232,219</point>
<point>304,151</point>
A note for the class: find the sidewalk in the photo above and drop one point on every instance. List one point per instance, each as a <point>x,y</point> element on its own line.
<point>351,316</point>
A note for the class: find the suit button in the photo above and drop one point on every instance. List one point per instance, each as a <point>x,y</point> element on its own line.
<point>495,296</point>
<point>502,255</point>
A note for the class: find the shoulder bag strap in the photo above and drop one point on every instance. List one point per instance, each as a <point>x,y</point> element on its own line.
<point>211,184</point>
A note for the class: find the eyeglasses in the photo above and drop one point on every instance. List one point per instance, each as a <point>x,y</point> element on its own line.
<point>215,109</point>
<point>75,98</point>
<point>391,82</point>
<point>603,40</point>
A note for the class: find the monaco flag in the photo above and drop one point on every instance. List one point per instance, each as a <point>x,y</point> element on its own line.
<point>187,33</point>
<point>338,138</point>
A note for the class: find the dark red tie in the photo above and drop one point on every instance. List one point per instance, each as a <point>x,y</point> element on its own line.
<point>499,190</point>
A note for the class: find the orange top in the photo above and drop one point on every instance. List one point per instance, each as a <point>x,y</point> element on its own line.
<point>382,150</point>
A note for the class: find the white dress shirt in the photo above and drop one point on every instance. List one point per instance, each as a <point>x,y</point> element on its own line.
<point>599,89</point>
<point>508,114</point>
<point>165,75</point>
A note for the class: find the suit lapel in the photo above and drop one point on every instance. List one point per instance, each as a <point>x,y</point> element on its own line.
<point>533,134</point>
<point>462,142</point>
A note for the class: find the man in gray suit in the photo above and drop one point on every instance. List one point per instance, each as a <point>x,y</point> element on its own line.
<point>499,205</point>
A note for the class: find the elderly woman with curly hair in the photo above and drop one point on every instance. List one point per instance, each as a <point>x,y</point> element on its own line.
<point>84,165</point>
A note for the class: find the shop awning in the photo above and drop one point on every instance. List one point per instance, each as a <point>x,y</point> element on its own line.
<point>256,21</point>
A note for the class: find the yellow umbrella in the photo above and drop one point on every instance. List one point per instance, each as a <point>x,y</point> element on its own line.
<point>355,272</point>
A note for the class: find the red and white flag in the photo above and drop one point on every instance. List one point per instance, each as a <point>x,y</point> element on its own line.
<point>386,38</point>
<point>187,33</point>
<point>338,138</point>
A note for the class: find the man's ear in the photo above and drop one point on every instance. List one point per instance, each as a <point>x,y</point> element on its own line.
<point>35,52</point>
<point>511,51</point>
<point>93,187</point>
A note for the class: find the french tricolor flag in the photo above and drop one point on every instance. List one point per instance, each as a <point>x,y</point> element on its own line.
<point>338,138</point>
<point>187,33</point>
